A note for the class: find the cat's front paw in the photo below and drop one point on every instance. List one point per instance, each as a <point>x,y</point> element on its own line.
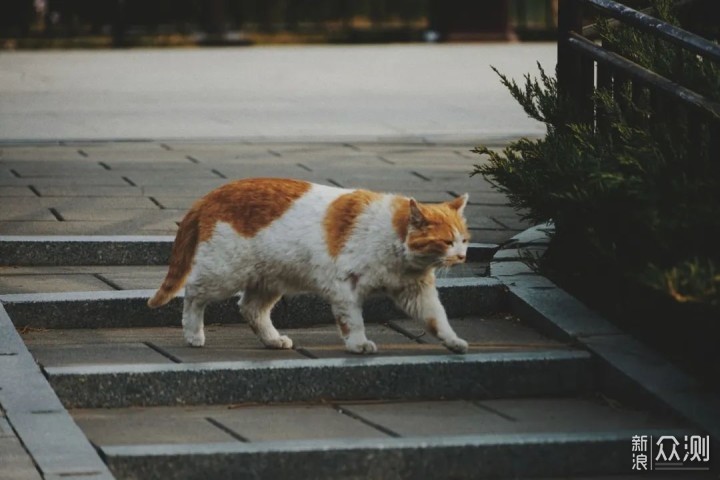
<point>366,346</point>
<point>457,345</point>
<point>195,339</point>
<point>283,342</point>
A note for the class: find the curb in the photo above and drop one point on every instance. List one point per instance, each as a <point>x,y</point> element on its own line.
<point>633,368</point>
<point>459,457</point>
<point>96,250</point>
<point>483,375</point>
<point>51,437</point>
<point>128,308</point>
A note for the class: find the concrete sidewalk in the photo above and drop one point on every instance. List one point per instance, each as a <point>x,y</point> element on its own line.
<point>436,92</point>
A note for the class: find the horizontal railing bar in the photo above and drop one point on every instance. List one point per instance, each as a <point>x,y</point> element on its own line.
<point>591,31</point>
<point>638,72</point>
<point>647,23</point>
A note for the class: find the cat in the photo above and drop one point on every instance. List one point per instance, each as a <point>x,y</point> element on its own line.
<point>268,236</point>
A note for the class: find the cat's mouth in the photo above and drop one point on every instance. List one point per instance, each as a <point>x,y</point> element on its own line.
<point>449,261</point>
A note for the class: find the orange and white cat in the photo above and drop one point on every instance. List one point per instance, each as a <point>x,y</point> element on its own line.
<point>266,237</point>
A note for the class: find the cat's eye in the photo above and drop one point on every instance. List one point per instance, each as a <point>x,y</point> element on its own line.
<point>448,242</point>
<point>465,240</point>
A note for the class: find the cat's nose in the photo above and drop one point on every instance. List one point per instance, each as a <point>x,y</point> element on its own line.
<point>461,258</point>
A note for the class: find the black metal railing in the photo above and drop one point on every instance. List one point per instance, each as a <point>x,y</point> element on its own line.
<point>584,65</point>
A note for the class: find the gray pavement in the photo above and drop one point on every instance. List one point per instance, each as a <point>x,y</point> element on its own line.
<point>436,92</point>
<point>121,188</point>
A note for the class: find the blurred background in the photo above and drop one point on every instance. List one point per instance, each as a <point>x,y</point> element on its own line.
<point>135,23</point>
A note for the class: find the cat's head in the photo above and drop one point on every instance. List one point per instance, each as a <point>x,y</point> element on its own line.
<point>437,234</point>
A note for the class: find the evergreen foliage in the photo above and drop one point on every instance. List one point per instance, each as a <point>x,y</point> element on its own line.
<point>635,199</point>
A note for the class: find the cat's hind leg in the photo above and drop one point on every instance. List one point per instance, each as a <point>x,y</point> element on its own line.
<point>255,306</point>
<point>192,319</point>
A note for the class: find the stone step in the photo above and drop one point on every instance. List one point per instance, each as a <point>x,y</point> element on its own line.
<point>482,375</point>
<point>128,308</point>
<point>66,250</point>
<point>376,439</point>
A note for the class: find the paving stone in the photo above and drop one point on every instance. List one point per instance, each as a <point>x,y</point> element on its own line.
<point>51,153</point>
<point>57,169</point>
<point>301,422</point>
<point>139,426</point>
<point>500,332</point>
<point>5,428</point>
<point>85,181</point>
<point>497,236</point>
<point>16,464</point>
<point>57,444</point>
<point>434,419</point>
<point>573,415</point>
<point>96,354</point>
<point>136,279</point>
<point>20,213</point>
<point>122,190</point>
<point>92,214</point>
<point>482,222</point>
<point>324,342</point>
<point>200,178</point>
<point>97,203</point>
<point>49,283</point>
<point>10,191</point>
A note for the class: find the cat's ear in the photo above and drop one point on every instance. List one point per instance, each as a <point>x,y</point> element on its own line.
<point>459,203</point>
<point>417,218</point>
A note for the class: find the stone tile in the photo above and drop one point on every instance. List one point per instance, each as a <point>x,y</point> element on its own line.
<point>56,443</point>
<point>102,180</point>
<point>294,422</point>
<point>50,283</point>
<point>438,418</point>
<point>93,214</point>
<point>222,344</point>
<point>123,190</point>
<point>57,169</point>
<point>15,463</point>
<point>40,153</point>
<point>200,178</point>
<point>325,342</point>
<point>98,203</point>
<point>20,213</point>
<point>482,222</point>
<point>95,354</point>
<point>500,332</point>
<point>5,428</point>
<point>176,202</point>
<point>16,191</point>
<point>497,236</point>
<point>572,415</point>
<point>138,426</point>
<point>139,278</point>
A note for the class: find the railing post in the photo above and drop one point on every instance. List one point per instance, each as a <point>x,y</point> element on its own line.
<point>575,73</point>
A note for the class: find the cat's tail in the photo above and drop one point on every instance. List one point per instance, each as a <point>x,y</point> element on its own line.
<point>183,252</point>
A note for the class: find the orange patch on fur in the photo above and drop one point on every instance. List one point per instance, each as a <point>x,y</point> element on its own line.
<point>431,325</point>
<point>341,216</point>
<point>342,324</point>
<point>401,216</point>
<point>248,205</point>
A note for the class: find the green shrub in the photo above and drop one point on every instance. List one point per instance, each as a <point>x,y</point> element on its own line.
<point>635,201</point>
